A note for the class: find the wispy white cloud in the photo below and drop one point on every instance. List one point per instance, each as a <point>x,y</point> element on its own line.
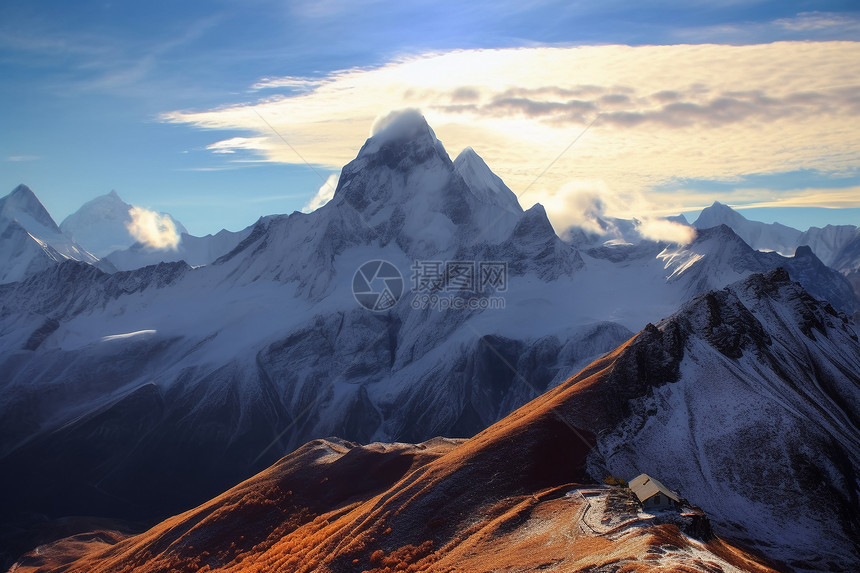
<point>234,144</point>
<point>97,59</point>
<point>588,203</point>
<point>21,158</point>
<point>323,195</point>
<point>153,229</point>
<point>292,82</point>
<point>815,21</point>
<point>328,8</point>
<point>805,26</point>
<point>667,113</point>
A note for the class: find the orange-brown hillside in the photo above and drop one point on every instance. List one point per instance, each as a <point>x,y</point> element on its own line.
<point>495,502</point>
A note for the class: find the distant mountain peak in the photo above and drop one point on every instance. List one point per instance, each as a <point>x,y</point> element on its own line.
<point>22,190</point>
<point>101,224</point>
<point>534,223</point>
<point>23,201</point>
<point>718,213</point>
<point>758,235</point>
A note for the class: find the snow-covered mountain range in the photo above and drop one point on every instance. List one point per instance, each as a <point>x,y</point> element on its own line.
<point>30,241</point>
<point>97,234</point>
<point>837,246</point>
<point>745,401</point>
<point>156,388</point>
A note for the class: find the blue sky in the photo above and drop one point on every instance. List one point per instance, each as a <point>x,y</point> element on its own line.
<point>111,95</point>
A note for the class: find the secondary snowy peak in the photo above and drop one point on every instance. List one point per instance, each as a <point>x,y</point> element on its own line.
<point>760,236</point>
<point>719,214</point>
<point>23,205</point>
<point>101,225</point>
<point>483,183</point>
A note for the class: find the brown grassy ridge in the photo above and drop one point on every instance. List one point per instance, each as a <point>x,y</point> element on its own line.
<point>491,503</point>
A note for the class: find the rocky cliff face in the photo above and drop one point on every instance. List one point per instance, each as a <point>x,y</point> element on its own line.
<point>746,401</point>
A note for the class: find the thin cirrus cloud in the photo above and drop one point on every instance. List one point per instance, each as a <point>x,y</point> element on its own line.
<point>293,82</point>
<point>664,114</point>
<point>21,158</point>
<point>815,21</point>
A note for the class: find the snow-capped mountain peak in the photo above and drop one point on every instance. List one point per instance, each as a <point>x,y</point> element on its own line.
<point>760,236</point>
<point>404,187</point>
<point>23,205</point>
<point>483,183</point>
<point>718,214</point>
<point>400,134</point>
<point>31,241</point>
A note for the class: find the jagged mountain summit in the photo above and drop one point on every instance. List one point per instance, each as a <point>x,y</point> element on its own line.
<point>215,372</point>
<point>101,225</point>
<point>30,240</point>
<point>745,401</point>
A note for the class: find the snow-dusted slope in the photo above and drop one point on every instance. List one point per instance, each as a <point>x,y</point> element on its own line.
<point>101,225</point>
<point>30,241</point>
<point>214,372</point>
<point>747,401</point>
